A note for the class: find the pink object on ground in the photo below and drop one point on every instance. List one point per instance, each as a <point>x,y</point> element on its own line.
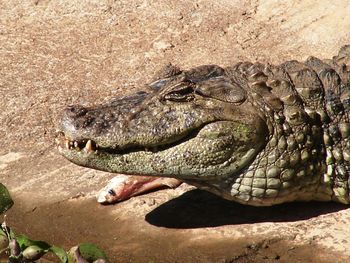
<point>122,187</point>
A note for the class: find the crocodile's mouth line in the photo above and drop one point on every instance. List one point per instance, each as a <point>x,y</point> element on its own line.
<point>89,146</point>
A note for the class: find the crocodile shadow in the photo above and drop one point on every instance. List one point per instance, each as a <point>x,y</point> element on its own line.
<point>198,208</point>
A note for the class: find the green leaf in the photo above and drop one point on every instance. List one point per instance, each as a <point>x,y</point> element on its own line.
<point>25,242</point>
<point>60,253</point>
<point>90,252</point>
<point>5,199</point>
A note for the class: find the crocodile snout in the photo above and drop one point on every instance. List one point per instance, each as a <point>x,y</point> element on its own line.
<point>75,111</point>
<point>76,119</point>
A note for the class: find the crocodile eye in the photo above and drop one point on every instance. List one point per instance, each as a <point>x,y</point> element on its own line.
<point>180,92</point>
<point>221,89</point>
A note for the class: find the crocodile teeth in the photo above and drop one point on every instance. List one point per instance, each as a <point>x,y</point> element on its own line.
<point>89,147</point>
<point>67,144</point>
<point>76,144</point>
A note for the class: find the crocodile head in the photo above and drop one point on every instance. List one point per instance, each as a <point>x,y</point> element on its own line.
<point>196,125</point>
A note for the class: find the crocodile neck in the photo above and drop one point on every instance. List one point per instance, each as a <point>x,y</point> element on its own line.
<point>307,156</point>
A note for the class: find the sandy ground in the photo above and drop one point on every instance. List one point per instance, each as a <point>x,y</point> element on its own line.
<point>55,53</point>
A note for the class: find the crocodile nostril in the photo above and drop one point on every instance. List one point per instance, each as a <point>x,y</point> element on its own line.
<point>76,111</point>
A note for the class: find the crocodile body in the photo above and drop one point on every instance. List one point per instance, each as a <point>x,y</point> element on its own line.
<point>257,134</point>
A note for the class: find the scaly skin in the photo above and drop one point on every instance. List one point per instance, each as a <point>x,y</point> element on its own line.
<point>252,133</point>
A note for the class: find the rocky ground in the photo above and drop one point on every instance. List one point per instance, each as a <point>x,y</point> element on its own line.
<point>55,53</point>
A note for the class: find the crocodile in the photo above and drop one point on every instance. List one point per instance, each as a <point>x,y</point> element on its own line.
<point>258,134</point>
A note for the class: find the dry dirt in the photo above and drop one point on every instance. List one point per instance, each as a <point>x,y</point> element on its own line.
<point>55,53</point>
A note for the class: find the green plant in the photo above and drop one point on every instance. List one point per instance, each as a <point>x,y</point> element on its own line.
<point>19,248</point>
